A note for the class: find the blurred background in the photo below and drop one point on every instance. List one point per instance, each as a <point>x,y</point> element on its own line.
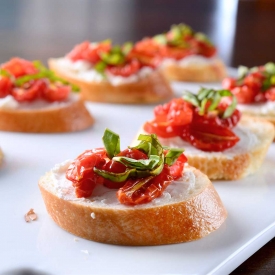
<point>243,30</point>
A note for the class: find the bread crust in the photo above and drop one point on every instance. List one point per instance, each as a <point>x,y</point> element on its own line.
<point>150,89</point>
<point>211,72</point>
<point>187,220</point>
<point>69,118</point>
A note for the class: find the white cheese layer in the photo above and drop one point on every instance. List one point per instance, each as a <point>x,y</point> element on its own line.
<point>85,71</point>
<point>105,197</point>
<point>265,108</point>
<point>189,61</point>
<point>9,103</point>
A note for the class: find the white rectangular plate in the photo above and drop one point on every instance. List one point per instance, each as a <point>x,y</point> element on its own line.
<point>42,246</point>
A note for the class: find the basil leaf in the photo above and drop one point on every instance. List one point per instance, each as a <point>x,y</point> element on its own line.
<point>230,109</point>
<point>203,93</point>
<point>266,84</point>
<point>215,102</point>
<point>202,107</point>
<point>160,39</point>
<point>189,97</point>
<point>100,67</point>
<point>270,67</point>
<point>39,66</point>
<point>115,177</point>
<point>172,155</point>
<point>111,143</point>
<point>140,164</point>
<point>26,78</point>
<point>242,71</point>
<point>146,147</point>
<point>127,47</point>
<point>5,73</point>
<point>225,93</point>
<point>202,37</point>
<point>154,141</point>
<point>272,80</point>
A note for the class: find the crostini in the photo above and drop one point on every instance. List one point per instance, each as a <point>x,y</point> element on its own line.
<point>144,195</point>
<point>217,140</point>
<point>255,90</point>
<point>182,54</point>
<point>106,73</point>
<point>34,99</point>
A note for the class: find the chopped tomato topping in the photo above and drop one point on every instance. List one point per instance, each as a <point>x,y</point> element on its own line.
<point>89,52</point>
<point>138,191</point>
<point>208,132</point>
<point>229,83</point>
<point>270,94</point>
<point>81,172</point>
<point>125,70</point>
<point>147,52</point>
<point>175,52</point>
<point>177,168</point>
<point>131,191</point>
<point>213,139</point>
<point>255,86</point>
<point>5,86</point>
<point>56,92</point>
<point>244,94</point>
<point>30,90</point>
<point>19,67</point>
<point>170,118</point>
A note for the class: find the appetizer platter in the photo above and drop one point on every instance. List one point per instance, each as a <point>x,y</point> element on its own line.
<point>40,245</point>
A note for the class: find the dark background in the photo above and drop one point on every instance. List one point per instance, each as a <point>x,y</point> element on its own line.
<point>244,32</point>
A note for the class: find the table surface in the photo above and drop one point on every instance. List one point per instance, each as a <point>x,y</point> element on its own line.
<point>242,30</point>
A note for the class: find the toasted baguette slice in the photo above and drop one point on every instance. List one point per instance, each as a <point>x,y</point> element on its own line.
<point>149,89</point>
<point>205,72</point>
<point>191,212</point>
<point>256,111</point>
<point>69,117</point>
<point>243,159</point>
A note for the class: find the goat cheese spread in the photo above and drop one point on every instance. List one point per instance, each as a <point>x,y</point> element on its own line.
<point>104,197</point>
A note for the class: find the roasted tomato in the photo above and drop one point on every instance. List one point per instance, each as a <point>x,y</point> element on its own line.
<point>203,48</point>
<point>89,52</point>
<point>30,90</point>
<point>244,94</point>
<point>212,138</point>
<point>147,52</point>
<point>19,67</point>
<point>138,191</point>
<point>177,168</point>
<point>175,52</point>
<point>5,86</point>
<point>270,94</point>
<point>254,81</point>
<point>81,172</point>
<point>170,118</point>
<point>229,83</point>
<point>56,92</point>
<point>125,70</point>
